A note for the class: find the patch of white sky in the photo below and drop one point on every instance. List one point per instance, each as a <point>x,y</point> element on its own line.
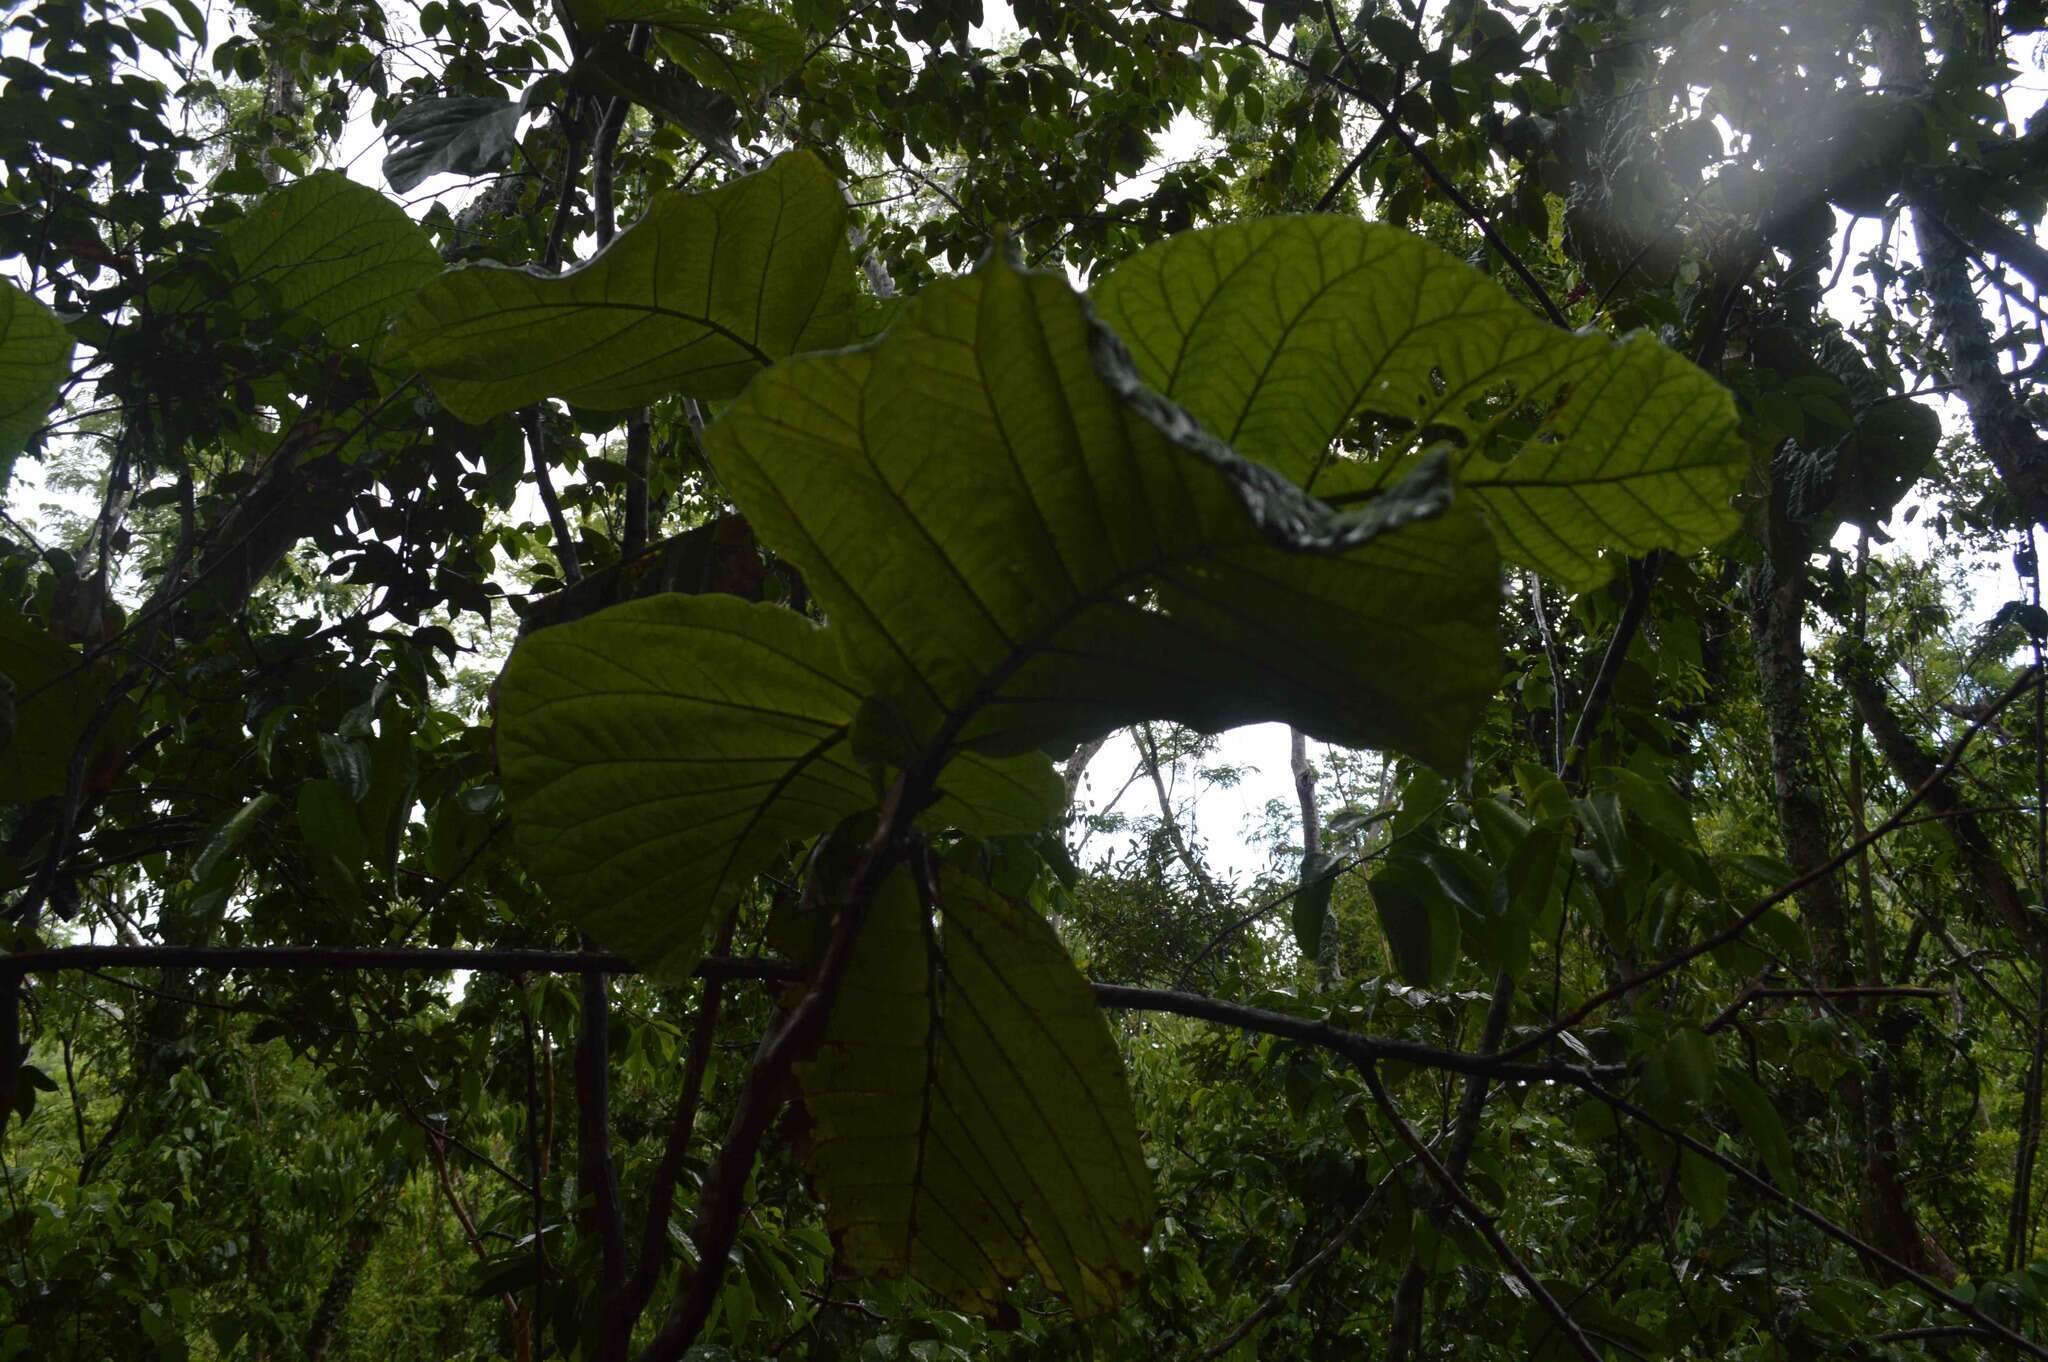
<point>1236,798</point>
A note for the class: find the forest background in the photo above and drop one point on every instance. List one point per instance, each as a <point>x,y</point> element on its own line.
<point>1621,934</point>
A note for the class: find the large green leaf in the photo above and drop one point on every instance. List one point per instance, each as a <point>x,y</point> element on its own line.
<point>660,754</point>
<point>335,251</point>
<point>47,697</point>
<point>459,135</point>
<point>707,114</point>
<point>697,297</point>
<point>1022,545</point>
<point>35,357</point>
<point>970,1119</point>
<point>742,50</point>
<point>1276,333</point>
<point>1420,922</point>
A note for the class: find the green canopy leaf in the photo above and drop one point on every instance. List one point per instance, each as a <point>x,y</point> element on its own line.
<point>697,297</point>
<point>743,51</point>
<point>660,754</point>
<point>47,696</point>
<point>1420,922</point>
<point>1312,901</point>
<point>35,357</point>
<point>1023,545</point>
<point>707,114</point>
<point>1276,333</point>
<point>970,1119</point>
<point>335,251</point>
<point>461,135</point>
<point>229,835</point>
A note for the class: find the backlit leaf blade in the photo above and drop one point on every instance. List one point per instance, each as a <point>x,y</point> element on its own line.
<point>660,754</point>
<point>1021,545</point>
<point>697,297</point>
<point>35,357</point>
<point>971,1121</point>
<point>1276,333</point>
<point>335,251</point>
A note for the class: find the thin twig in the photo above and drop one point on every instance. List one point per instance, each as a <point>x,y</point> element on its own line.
<point>565,544</point>
<point>1642,578</point>
<point>662,1192</point>
<point>1839,1233</point>
<point>537,1170</point>
<point>1555,658</point>
<point>1280,1294</point>
<point>1715,940</point>
<point>1413,147</point>
<point>1477,1218</point>
<point>595,1169</point>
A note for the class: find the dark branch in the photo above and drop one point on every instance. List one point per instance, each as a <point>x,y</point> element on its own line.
<point>623,1314</point>
<point>1360,1049</point>
<point>1352,1045</point>
<point>434,961</point>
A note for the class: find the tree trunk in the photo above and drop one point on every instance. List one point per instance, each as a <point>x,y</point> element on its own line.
<point>1777,609</point>
<point>341,1287</point>
<point>2004,431</point>
<point>1077,766</point>
<point>1329,969</point>
<point>1915,768</point>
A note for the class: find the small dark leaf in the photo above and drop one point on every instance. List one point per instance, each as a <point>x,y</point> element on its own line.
<point>1760,1121</point>
<point>1222,18</point>
<point>327,819</point>
<point>1312,901</point>
<point>466,135</point>
<point>1420,923</point>
<point>230,835</point>
<point>707,115</point>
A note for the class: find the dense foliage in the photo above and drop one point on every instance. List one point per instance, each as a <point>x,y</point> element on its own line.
<point>568,574</point>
